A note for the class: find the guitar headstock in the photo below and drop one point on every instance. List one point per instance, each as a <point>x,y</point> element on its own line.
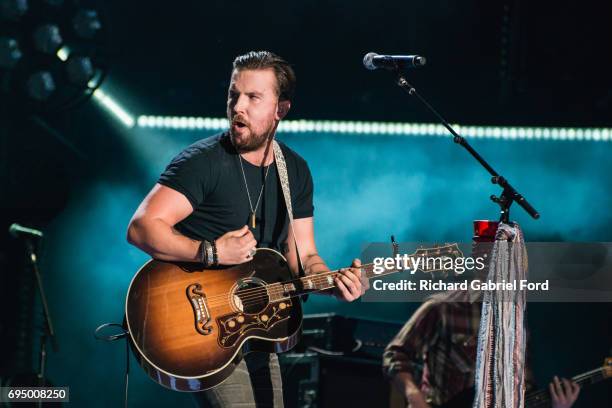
<point>607,367</point>
<point>435,258</point>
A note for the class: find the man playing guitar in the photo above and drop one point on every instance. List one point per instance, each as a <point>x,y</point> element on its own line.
<point>221,198</point>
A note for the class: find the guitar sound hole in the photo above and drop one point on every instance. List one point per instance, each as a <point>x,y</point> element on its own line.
<point>251,297</point>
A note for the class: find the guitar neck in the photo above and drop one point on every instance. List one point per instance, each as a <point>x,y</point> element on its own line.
<point>326,280</point>
<point>541,398</point>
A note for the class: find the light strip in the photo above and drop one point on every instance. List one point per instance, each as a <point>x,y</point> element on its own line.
<point>389,128</point>
<point>113,107</point>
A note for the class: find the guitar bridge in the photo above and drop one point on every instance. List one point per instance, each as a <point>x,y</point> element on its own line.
<point>197,298</point>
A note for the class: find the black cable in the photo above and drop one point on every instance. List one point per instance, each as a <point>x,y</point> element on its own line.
<point>114,337</point>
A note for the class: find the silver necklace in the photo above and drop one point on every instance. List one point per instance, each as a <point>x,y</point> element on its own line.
<point>253,210</point>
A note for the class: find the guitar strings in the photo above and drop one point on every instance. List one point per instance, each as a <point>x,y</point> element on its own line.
<point>442,250</point>
<point>317,277</point>
<point>256,295</point>
<point>309,292</point>
<point>255,298</point>
<point>532,397</point>
<point>260,293</point>
<point>264,288</point>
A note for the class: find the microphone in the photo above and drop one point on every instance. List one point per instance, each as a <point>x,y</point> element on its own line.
<point>17,230</point>
<point>374,61</point>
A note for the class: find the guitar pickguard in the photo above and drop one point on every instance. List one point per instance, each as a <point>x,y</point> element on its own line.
<point>233,326</point>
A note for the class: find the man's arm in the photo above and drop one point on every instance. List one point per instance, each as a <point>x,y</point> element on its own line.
<point>351,283</point>
<point>152,226</point>
<point>403,356</point>
<point>405,384</point>
<point>152,230</point>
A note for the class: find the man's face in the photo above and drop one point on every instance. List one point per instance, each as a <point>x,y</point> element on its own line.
<point>252,107</point>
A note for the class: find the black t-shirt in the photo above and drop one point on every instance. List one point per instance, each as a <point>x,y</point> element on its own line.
<point>208,173</point>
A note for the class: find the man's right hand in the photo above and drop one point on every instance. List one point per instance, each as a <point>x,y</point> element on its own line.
<point>235,247</point>
<point>563,392</point>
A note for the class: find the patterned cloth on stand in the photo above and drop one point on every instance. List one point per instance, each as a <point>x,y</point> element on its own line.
<point>500,365</point>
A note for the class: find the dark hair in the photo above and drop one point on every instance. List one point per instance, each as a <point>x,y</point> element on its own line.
<point>285,77</point>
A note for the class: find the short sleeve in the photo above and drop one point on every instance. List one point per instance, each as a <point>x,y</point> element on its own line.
<point>188,173</point>
<point>302,201</point>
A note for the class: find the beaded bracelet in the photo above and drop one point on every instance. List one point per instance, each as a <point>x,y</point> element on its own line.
<point>215,257</point>
<point>209,254</point>
<point>202,253</point>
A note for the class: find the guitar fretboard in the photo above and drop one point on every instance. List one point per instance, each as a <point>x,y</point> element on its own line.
<point>541,398</point>
<point>326,280</point>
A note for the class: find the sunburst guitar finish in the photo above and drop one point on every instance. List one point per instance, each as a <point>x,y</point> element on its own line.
<point>189,327</point>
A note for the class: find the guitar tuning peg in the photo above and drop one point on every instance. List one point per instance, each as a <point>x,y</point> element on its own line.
<point>394,246</point>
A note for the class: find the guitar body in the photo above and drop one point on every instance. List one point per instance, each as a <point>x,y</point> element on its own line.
<point>189,327</point>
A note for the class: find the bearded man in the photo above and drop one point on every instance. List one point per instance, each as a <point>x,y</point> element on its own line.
<point>223,192</point>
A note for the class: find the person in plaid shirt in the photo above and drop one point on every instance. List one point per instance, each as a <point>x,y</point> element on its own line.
<point>436,349</point>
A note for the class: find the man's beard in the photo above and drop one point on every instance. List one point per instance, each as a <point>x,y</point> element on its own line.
<point>252,141</point>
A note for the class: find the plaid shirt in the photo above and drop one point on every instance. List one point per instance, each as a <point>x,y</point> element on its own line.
<point>437,346</point>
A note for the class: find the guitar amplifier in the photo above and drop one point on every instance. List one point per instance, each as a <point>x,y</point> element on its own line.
<point>335,335</point>
<point>338,363</point>
<point>300,373</point>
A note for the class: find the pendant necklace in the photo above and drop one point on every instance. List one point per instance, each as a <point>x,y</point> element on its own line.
<point>253,210</point>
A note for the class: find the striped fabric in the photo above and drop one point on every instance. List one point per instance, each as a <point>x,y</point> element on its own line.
<point>500,368</point>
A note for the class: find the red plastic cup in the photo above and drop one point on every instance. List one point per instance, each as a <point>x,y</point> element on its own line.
<point>484,231</point>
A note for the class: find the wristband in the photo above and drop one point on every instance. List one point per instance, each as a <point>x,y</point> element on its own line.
<point>206,253</point>
<point>209,254</point>
<point>215,257</point>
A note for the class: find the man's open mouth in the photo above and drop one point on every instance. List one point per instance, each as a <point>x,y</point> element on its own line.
<point>239,124</point>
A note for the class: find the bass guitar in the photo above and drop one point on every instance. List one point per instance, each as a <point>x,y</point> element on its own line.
<point>540,398</point>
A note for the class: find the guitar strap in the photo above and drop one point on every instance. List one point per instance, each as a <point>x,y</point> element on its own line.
<point>281,166</point>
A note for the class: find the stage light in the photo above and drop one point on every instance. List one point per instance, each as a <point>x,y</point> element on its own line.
<point>390,128</point>
<point>63,53</point>
<point>58,29</point>
<point>112,106</point>
<point>47,39</point>
<point>41,85</point>
<point>86,23</point>
<point>13,9</point>
<point>80,70</point>
<point>10,54</point>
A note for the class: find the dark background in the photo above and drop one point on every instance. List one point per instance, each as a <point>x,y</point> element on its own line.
<point>516,62</point>
<point>78,174</point>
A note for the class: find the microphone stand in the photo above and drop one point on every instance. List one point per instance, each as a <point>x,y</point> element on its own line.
<point>509,194</point>
<point>48,331</point>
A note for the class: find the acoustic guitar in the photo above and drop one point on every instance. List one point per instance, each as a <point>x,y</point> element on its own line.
<point>189,327</point>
